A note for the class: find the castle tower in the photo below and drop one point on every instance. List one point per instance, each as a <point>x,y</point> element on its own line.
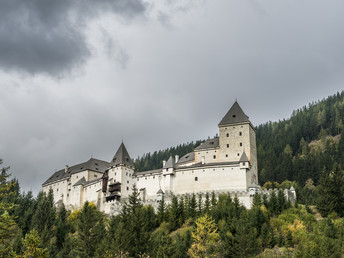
<point>117,179</point>
<point>238,137</point>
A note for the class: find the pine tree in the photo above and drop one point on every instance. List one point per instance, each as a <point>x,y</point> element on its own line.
<point>61,228</point>
<point>331,192</point>
<point>199,205</point>
<point>90,230</point>
<point>161,215</point>
<point>213,199</point>
<point>7,223</point>
<point>174,213</point>
<point>207,203</point>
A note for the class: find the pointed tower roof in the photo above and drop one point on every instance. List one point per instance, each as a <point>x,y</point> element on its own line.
<point>243,157</point>
<point>122,157</point>
<point>170,163</point>
<point>235,115</point>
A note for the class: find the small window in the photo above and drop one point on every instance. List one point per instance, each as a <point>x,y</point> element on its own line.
<point>238,154</point>
<point>127,182</point>
<point>67,194</point>
<point>95,176</point>
<point>234,116</point>
<point>57,190</point>
<point>240,133</point>
<point>226,155</point>
<point>227,134</point>
<point>214,156</point>
<point>241,144</point>
<point>227,145</point>
<point>196,178</point>
<point>127,188</point>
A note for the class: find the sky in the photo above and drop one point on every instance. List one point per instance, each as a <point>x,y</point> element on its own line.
<point>78,77</point>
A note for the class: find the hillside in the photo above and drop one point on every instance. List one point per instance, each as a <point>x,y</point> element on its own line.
<point>303,145</point>
<point>294,149</point>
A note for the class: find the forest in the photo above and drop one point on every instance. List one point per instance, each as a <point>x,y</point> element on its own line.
<point>304,151</point>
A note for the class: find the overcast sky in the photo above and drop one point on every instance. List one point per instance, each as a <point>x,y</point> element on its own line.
<point>78,76</point>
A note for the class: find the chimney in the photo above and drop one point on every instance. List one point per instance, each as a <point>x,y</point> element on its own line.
<point>203,160</point>
<point>176,158</point>
<point>163,163</point>
<point>66,168</point>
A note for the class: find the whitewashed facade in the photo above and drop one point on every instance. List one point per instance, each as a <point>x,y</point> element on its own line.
<point>224,164</point>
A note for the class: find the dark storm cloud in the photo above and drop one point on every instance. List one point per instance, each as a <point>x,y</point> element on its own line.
<point>47,36</point>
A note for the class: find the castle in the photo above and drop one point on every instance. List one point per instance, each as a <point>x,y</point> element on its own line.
<point>224,164</point>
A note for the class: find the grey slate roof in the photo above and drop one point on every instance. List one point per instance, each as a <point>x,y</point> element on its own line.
<point>209,144</point>
<point>122,157</point>
<point>243,157</point>
<point>82,181</point>
<point>160,191</point>
<point>92,164</point>
<point>235,115</point>
<point>93,181</point>
<point>148,173</point>
<point>170,163</point>
<point>187,158</point>
<point>199,164</point>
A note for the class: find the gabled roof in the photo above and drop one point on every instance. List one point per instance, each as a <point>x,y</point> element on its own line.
<point>235,115</point>
<point>187,158</point>
<point>170,163</point>
<point>122,157</point>
<point>209,144</point>
<point>82,181</point>
<point>160,191</point>
<point>96,165</point>
<point>243,157</point>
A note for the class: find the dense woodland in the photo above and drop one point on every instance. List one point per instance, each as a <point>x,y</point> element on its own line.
<point>305,151</point>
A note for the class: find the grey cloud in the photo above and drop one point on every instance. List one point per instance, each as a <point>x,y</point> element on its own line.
<point>47,36</point>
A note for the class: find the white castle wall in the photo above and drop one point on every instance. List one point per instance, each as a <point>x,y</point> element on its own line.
<point>210,155</point>
<point>218,178</point>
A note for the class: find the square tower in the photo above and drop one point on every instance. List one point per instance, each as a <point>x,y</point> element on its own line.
<point>236,136</point>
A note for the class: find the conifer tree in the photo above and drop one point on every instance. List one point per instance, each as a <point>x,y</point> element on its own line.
<point>207,203</point>
<point>213,199</point>
<point>199,205</point>
<point>90,230</point>
<point>33,246</point>
<point>192,206</point>
<point>161,215</point>
<point>7,223</point>
<point>174,213</point>
<point>205,238</point>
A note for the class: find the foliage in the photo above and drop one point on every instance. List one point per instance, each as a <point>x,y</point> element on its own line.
<point>205,238</point>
